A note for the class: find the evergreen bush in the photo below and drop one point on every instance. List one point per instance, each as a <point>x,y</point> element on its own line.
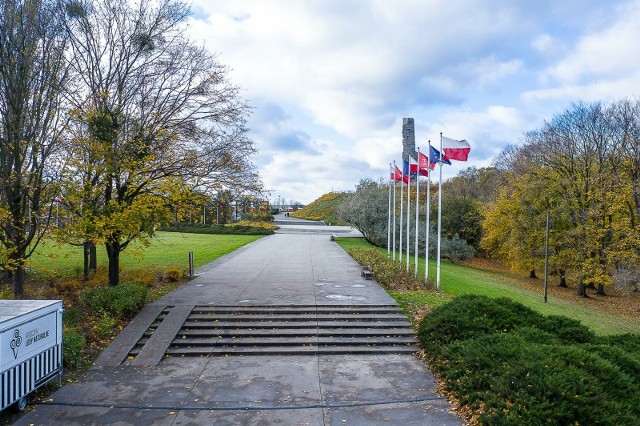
<point>512,365</point>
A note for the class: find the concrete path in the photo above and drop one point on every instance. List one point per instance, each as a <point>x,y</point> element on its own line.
<point>292,267</point>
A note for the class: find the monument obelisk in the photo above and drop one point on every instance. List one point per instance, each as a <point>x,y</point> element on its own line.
<point>408,139</point>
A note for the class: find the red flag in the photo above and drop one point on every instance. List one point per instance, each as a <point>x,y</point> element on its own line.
<point>424,165</point>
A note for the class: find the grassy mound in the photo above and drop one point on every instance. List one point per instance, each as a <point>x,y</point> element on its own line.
<point>323,208</point>
<point>512,365</point>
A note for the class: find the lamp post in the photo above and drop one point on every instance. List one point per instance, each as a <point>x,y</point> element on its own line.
<point>546,259</point>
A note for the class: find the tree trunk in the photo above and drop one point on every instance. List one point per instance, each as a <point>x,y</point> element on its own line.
<point>563,278</point>
<point>600,291</point>
<point>532,274</point>
<point>93,257</point>
<point>86,251</point>
<point>113,254</point>
<point>582,291</point>
<point>19,277</point>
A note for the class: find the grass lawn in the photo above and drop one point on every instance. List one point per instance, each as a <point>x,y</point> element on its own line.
<point>167,250</point>
<point>457,279</point>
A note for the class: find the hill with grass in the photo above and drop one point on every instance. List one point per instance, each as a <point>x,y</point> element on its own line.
<point>323,208</point>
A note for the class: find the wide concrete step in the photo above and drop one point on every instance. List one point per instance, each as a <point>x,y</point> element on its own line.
<point>289,324</point>
<point>295,341</point>
<point>309,331</point>
<point>282,330</point>
<point>297,309</point>
<point>279,351</point>
<point>356,316</point>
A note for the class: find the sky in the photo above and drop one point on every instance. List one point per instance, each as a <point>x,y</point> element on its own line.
<point>330,81</point>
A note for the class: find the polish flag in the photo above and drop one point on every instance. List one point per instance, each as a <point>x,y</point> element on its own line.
<point>455,150</point>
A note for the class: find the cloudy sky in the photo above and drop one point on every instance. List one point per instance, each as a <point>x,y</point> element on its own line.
<point>331,80</point>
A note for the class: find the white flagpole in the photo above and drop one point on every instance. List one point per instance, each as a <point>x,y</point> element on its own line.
<point>415,255</point>
<point>401,214</point>
<point>389,217</point>
<point>426,256</point>
<point>408,214</point>
<point>394,210</point>
<point>439,217</point>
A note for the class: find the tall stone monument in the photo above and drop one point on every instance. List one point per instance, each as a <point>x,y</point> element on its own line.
<point>408,139</point>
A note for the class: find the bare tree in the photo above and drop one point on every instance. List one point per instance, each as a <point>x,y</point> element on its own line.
<point>157,107</point>
<point>32,78</point>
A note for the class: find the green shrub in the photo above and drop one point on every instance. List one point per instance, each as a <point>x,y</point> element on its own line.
<point>511,365</point>
<point>102,326</point>
<point>72,347</point>
<point>255,229</point>
<point>507,379</point>
<point>121,302</point>
<point>71,317</point>
<point>628,342</point>
<point>390,274</point>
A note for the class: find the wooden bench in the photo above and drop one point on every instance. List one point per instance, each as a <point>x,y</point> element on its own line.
<point>367,272</point>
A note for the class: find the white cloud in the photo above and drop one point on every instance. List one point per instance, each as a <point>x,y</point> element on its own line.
<point>601,66</point>
<point>332,79</point>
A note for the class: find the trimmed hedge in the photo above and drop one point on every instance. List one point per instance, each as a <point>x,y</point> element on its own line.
<point>218,229</point>
<point>512,365</point>
<point>120,302</point>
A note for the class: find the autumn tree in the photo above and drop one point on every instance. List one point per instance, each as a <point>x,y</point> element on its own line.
<point>33,77</point>
<point>158,109</point>
<point>581,167</point>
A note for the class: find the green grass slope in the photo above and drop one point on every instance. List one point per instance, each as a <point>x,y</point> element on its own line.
<point>323,208</point>
<point>457,280</point>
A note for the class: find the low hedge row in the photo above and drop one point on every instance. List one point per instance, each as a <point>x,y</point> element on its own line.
<point>218,229</point>
<point>512,365</point>
<point>392,275</point>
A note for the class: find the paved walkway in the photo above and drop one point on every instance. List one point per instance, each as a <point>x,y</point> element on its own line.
<point>291,267</point>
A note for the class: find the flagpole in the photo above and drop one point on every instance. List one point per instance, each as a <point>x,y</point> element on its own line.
<point>439,217</point>
<point>394,210</point>
<point>389,215</point>
<point>401,214</point>
<point>415,254</point>
<point>408,212</point>
<point>426,255</point>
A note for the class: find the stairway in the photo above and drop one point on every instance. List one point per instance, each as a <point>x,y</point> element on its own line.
<point>289,330</point>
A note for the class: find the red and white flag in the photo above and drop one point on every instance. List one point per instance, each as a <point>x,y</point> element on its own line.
<point>455,150</point>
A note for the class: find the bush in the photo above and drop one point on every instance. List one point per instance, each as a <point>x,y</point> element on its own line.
<point>121,302</point>
<point>390,274</point>
<point>145,277</point>
<point>173,274</point>
<point>102,326</point>
<point>512,365</point>
<point>253,229</point>
<point>456,249</point>
<point>72,347</point>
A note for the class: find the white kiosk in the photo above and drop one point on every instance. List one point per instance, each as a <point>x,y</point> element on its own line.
<point>30,348</point>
